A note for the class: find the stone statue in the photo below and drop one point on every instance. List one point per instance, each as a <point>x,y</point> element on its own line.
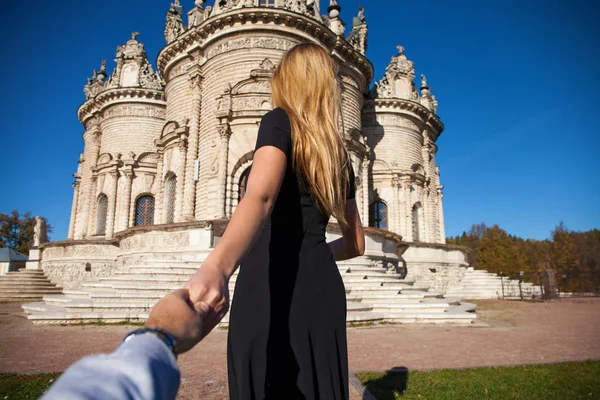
<point>361,14</point>
<point>423,81</point>
<point>400,49</point>
<point>39,232</point>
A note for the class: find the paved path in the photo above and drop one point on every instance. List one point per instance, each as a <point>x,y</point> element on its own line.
<point>519,333</point>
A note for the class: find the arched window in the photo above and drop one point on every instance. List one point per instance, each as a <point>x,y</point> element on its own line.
<point>101,212</point>
<point>378,215</point>
<point>170,192</point>
<point>144,210</point>
<point>417,215</point>
<point>267,3</point>
<point>243,183</point>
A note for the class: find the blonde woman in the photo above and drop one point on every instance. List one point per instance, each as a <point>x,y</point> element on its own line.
<point>287,332</point>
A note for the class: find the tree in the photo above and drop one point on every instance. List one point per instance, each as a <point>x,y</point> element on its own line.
<point>16,232</point>
<point>563,249</point>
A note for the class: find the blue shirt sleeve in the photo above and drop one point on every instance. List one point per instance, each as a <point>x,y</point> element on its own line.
<point>143,368</point>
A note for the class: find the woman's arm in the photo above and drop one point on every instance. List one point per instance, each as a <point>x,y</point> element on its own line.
<point>352,242</point>
<point>210,284</point>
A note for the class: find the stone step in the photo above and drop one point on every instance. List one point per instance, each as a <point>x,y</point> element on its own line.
<point>376,282</point>
<point>34,291</point>
<point>12,284</point>
<point>143,279</point>
<point>427,307</point>
<point>20,277</point>
<point>429,317</point>
<point>24,271</point>
<point>63,317</point>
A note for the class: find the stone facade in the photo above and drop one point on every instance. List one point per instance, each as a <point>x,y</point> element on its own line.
<point>174,145</point>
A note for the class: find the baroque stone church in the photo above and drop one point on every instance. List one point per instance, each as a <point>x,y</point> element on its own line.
<point>168,150</point>
<point>176,144</point>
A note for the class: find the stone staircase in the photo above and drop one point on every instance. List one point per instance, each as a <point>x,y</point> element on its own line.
<point>373,295</point>
<point>26,285</point>
<point>480,284</point>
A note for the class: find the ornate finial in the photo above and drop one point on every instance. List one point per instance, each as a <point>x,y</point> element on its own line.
<point>134,35</point>
<point>199,3</point>
<point>400,49</point>
<point>423,81</point>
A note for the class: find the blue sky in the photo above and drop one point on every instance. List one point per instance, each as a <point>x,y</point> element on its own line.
<point>516,81</point>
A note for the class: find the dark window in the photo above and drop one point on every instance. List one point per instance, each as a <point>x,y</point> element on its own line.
<point>101,212</point>
<point>243,183</point>
<point>144,210</point>
<point>267,3</point>
<point>170,192</point>
<point>378,215</point>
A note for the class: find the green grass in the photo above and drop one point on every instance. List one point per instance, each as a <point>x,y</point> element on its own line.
<point>16,387</point>
<point>566,381</point>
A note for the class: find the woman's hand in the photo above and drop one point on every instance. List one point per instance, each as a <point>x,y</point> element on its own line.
<point>210,285</point>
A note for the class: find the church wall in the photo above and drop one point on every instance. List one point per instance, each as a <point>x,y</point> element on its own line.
<point>225,67</point>
<point>178,94</point>
<point>124,134</point>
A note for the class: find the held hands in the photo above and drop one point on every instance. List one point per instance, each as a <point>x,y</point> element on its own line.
<point>176,314</point>
<point>210,286</point>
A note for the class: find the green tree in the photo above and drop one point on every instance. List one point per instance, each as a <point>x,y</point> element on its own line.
<point>16,231</point>
<point>496,252</point>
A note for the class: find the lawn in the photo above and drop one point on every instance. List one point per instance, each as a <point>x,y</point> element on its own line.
<point>566,381</point>
<point>16,387</point>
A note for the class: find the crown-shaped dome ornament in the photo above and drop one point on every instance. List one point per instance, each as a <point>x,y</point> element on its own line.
<point>398,79</point>
<point>132,70</point>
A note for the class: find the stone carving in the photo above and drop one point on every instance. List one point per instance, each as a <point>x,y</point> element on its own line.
<point>96,83</point>
<point>261,86</point>
<point>248,103</point>
<point>132,70</point>
<point>174,24</point>
<point>39,232</point>
<point>398,79</point>
<point>214,163</point>
<point>150,79</point>
<point>347,79</point>
<point>427,98</point>
<point>247,43</point>
<point>134,111</point>
<point>267,65</point>
<point>358,36</point>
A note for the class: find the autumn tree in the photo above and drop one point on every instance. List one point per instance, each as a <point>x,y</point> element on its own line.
<point>16,231</point>
<point>563,249</point>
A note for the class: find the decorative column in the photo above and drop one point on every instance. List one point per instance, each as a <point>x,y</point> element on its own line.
<point>365,193</point>
<point>91,226</point>
<point>159,213</point>
<point>396,204</point>
<point>229,196</point>
<point>442,237</point>
<point>189,195</point>
<point>407,234</point>
<point>182,174</point>
<point>74,209</point>
<point>129,176</point>
<point>224,134</point>
<point>112,204</point>
<point>91,162</point>
<point>426,216</point>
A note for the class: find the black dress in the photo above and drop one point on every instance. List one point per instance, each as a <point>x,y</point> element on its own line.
<point>287,332</point>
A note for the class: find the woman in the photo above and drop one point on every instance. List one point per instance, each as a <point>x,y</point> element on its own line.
<point>287,332</point>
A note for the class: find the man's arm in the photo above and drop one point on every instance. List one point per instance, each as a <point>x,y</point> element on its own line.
<point>142,368</point>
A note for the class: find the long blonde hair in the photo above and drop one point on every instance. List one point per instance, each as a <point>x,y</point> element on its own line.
<point>305,86</point>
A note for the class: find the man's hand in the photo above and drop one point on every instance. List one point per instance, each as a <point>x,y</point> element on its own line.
<point>176,314</point>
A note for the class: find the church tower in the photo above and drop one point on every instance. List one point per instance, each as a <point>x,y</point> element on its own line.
<point>402,127</point>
